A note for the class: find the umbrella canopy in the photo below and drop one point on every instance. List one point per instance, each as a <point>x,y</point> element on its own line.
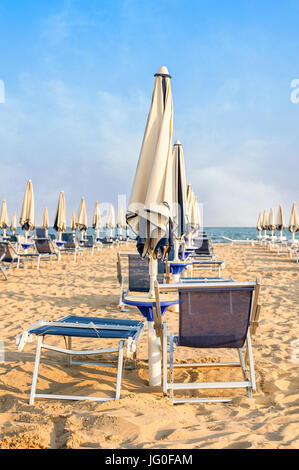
<point>120,219</point>
<point>280,220</point>
<point>271,223</point>
<point>45,223</point>
<point>73,222</point>
<point>82,216</point>
<point>4,222</point>
<point>110,221</point>
<point>294,220</point>
<point>259,224</point>
<point>180,191</point>
<point>60,217</point>
<point>151,198</point>
<point>13,225</point>
<point>265,221</point>
<point>27,214</point>
<point>96,221</point>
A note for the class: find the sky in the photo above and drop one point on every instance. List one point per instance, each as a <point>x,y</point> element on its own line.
<point>76,80</point>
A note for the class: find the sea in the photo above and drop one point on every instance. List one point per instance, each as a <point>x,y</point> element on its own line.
<point>215,233</point>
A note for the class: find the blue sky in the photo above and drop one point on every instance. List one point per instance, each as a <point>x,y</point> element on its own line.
<point>78,78</point>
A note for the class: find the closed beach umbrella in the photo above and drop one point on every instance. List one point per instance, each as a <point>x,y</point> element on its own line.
<point>120,220</point>
<point>60,217</point>
<point>193,213</point>
<point>110,220</point>
<point>27,214</point>
<point>4,222</point>
<point>265,222</point>
<point>294,221</point>
<point>13,225</point>
<point>73,222</point>
<point>82,218</point>
<point>96,220</point>
<point>259,224</point>
<point>45,223</point>
<point>280,220</point>
<point>271,223</point>
<point>151,198</point>
<point>150,202</point>
<point>179,197</point>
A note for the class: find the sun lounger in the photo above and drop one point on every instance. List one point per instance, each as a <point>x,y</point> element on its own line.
<point>210,265</point>
<point>46,249</point>
<point>9,256</point>
<point>70,245</point>
<point>125,332</point>
<point>211,316</point>
<point>138,279</point>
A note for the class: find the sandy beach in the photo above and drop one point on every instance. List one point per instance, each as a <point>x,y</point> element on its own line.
<point>143,417</point>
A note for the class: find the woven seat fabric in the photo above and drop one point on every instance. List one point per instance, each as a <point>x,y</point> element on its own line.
<point>43,246</point>
<point>214,318</point>
<point>40,232</point>
<point>69,240</point>
<point>139,279</point>
<point>6,250</point>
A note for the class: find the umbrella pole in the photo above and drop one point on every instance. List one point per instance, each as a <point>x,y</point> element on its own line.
<point>176,250</point>
<point>154,352</point>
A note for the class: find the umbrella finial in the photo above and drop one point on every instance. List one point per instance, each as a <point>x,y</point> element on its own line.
<point>162,72</point>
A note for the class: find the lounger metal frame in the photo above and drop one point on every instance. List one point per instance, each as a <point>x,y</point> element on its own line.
<point>129,344</point>
<point>249,381</point>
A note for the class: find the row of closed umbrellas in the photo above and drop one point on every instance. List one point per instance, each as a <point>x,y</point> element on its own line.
<point>27,217</point>
<point>271,223</point>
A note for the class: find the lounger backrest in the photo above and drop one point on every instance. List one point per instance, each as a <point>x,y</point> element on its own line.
<point>44,246</point>
<point>40,232</point>
<point>90,241</point>
<point>6,252</point>
<point>139,279</point>
<point>203,246</point>
<point>214,317</point>
<point>69,238</point>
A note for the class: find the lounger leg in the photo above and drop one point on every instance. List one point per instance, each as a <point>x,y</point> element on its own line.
<point>69,346</point>
<point>119,369</point>
<point>171,364</point>
<point>245,375</point>
<point>35,372</point>
<point>3,272</point>
<point>251,363</point>
<point>164,352</point>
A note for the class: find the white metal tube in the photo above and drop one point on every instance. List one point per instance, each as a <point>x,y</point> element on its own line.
<point>176,250</point>
<point>154,356</point>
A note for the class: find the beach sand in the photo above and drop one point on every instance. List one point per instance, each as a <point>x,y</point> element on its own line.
<point>143,417</point>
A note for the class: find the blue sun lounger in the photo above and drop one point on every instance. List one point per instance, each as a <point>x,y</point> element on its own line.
<point>127,332</point>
